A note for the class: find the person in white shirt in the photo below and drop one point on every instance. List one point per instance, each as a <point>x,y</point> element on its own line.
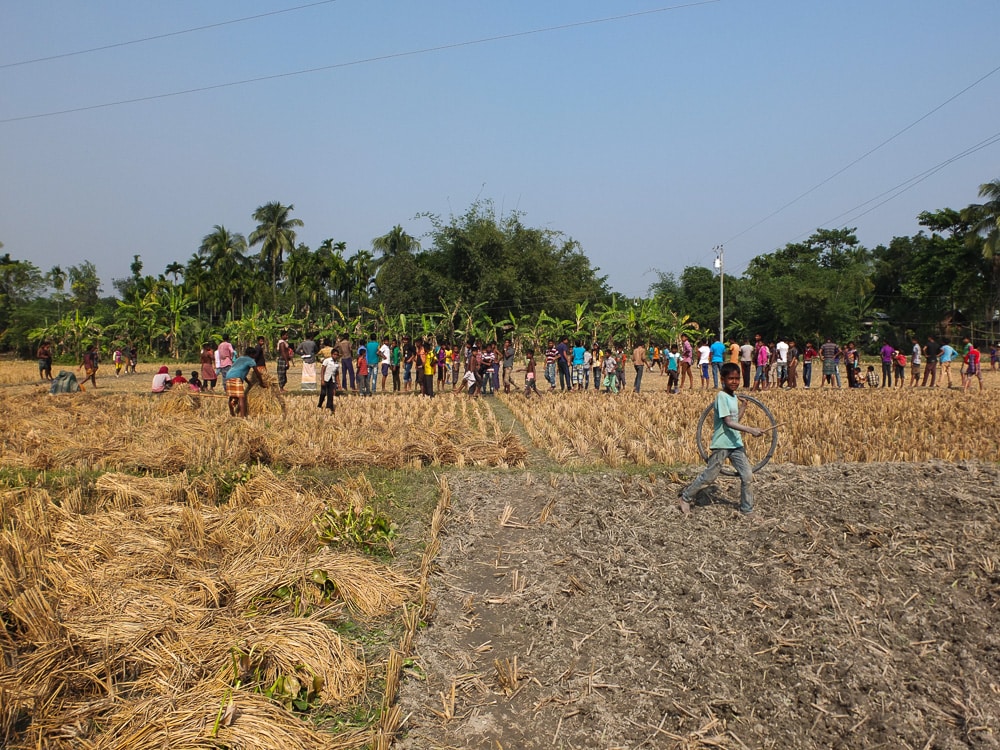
<point>782,362</point>
<point>328,381</point>
<point>384,360</point>
<point>704,358</point>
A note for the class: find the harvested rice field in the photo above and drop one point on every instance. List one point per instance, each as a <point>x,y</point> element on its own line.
<point>494,573</point>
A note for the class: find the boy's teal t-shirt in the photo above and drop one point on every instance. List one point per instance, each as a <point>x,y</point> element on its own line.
<point>724,436</point>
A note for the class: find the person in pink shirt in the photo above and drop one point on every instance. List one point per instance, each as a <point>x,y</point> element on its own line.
<point>226,355</point>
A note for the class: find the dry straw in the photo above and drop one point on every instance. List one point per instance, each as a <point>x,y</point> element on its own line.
<point>154,617</point>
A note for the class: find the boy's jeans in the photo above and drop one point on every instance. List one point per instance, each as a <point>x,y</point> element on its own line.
<point>550,373</point>
<point>738,458</point>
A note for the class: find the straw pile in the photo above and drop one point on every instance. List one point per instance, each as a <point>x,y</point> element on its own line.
<point>178,401</point>
<point>149,617</point>
<point>263,395</point>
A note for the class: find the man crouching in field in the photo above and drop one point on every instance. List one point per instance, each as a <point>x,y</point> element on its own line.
<point>234,381</point>
<point>726,443</point>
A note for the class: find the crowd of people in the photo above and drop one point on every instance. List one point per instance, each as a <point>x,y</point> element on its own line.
<point>422,365</point>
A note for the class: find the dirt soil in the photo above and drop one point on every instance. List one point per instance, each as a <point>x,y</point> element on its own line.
<point>583,611</point>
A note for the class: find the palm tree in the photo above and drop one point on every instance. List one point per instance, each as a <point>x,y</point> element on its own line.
<point>395,242</point>
<point>174,269</point>
<point>275,234</point>
<point>225,256</point>
<point>985,219</point>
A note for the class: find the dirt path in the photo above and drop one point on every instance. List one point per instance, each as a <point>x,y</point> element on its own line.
<point>581,611</point>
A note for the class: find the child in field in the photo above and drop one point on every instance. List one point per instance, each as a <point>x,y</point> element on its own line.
<point>673,358</point>
<point>972,369</point>
<point>362,369</point>
<point>610,372</point>
<point>727,443</point>
<point>179,378</point>
<point>871,377</point>
<point>195,382</point>
<point>529,374</point>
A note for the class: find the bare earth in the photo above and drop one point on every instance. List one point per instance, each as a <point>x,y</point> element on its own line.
<point>583,611</point>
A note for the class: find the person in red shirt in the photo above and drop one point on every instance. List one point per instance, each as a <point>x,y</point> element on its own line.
<point>971,360</point>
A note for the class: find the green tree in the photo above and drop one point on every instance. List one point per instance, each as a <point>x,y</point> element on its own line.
<point>275,233</point>
<point>85,286</point>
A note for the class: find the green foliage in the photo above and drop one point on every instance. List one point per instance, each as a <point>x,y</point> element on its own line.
<point>367,529</point>
<point>489,276</point>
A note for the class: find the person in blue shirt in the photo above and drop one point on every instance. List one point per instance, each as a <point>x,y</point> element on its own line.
<point>948,355</point>
<point>234,381</point>
<point>718,350</point>
<point>727,443</point>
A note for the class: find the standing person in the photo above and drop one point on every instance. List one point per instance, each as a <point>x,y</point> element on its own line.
<point>508,365</point>
<point>551,355</point>
<point>563,364</point>
<point>385,360</point>
<point>687,356</point>
<point>673,361</point>
<point>409,362</point>
<point>226,356</point>
<point>209,376</point>
<point>372,358</point>
<point>972,366</point>
<point>808,355</point>
<point>746,362</point>
<point>734,351</point>
<point>948,355</point>
<point>639,363</point>
<point>44,355</point>
<point>529,374</point>
<point>234,382</point>
<point>395,361</point>
<point>283,358</point>
<point>307,349</point>
<point>133,359</point>
<point>328,380</point>
<point>345,350</point>
<point>595,364</point>
<point>430,365</point>
<point>899,368</point>
<point>588,363</point>
<point>119,359</point>
<point>717,353</point>
<point>932,350</point>
<point>763,358</point>
<point>610,372</point>
<point>782,362</point>
<point>362,370</point>
<point>704,361</point>
<point>829,353</point>
<point>886,353</point>
<point>89,365</point>
<point>793,364</point>
<point>915,364</point>
<point>727,443</point>
<point>851,360</point>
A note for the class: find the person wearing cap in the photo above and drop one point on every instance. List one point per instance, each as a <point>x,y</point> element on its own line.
<point>161,380</point>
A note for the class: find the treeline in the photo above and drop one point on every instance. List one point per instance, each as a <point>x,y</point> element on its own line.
<point>487,275</point>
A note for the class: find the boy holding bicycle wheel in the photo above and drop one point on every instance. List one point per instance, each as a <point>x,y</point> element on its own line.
<point>727,443</point>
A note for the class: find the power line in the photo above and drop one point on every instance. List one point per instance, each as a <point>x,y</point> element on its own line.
<point>865,155</point>
<point>166,35</point>
<point>362,61</point>
<point>899,189</point>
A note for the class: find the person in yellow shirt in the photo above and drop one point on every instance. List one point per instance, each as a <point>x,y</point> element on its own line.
<point>430,365</point>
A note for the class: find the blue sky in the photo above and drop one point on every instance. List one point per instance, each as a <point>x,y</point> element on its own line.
<point>649,139</point>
